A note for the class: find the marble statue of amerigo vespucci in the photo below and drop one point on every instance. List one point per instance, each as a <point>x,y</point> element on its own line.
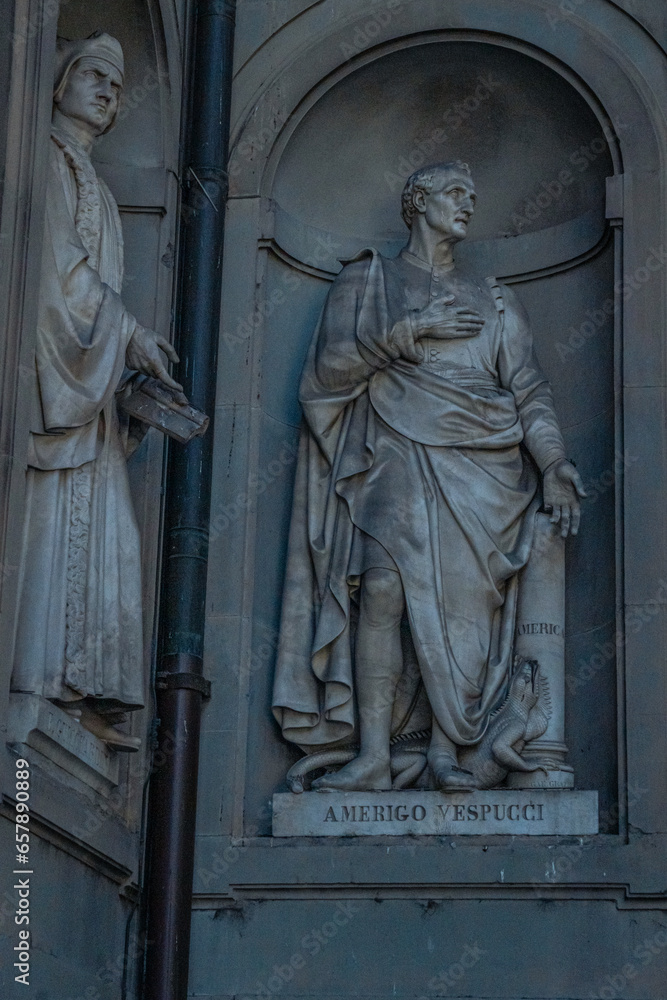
<point>80,641</point>
<point>429,441</point>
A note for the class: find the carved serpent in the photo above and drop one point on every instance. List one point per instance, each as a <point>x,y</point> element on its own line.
<point>519,720</point>
<point>408,760</point>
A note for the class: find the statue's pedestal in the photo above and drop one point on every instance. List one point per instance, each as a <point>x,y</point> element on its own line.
<point>534,812</point>
<point>39,724</point>
<point>540,779</point>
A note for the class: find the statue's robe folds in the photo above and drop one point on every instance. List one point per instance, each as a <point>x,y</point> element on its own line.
<point>416,467</point>
<point>80,620</point>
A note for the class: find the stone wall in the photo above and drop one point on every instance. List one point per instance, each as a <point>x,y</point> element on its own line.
<point>334,105</point>
<point>87,803</point>
<point>559,107</point>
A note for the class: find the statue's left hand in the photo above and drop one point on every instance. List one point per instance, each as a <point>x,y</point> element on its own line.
<point>143,355</point>
<point>562,490</point>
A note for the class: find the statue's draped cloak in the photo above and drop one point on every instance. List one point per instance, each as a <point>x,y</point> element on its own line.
<point>80,622</point>
<point>426,459</point>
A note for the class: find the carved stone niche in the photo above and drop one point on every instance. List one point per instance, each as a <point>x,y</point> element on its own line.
<point>422,634</point>
<point>540,161</point>
<point>133,159</point>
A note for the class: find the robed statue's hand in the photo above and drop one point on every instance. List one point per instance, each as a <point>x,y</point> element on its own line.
<point>562,488</point>
<point>439,320</point>
<point>442,320</point>
<point>143,355</point>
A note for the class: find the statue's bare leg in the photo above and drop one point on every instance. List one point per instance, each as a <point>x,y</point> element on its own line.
<point>378,666</point>
<point>443,762</point>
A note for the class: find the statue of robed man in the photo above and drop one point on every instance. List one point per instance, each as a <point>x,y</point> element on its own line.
<point>80,638</point>
<point>427,427</point>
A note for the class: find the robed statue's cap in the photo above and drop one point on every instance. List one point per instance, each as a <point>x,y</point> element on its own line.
<point>99,45</point>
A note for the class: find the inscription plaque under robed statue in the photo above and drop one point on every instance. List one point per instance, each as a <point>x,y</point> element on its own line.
<point>422,636</point>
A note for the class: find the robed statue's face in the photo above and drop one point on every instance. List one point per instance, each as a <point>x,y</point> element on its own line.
<point>92,93</point>
<point>450,205</point>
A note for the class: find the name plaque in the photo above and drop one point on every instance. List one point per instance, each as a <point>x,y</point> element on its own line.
<point>533,812</point>
<point>55,734</point>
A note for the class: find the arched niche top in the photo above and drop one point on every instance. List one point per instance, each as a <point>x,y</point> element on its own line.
<point>539,155</point>
<point>614,63</point>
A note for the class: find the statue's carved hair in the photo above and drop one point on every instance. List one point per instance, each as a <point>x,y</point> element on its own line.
<point>423,180</point>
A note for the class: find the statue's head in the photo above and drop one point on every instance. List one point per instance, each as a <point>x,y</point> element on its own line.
<point>440,197</point>
<point>89,80</point>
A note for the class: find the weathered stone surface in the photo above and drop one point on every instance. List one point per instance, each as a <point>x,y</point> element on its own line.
<point>45,727</point>
<point>539,812</point>
<point>86,839</point>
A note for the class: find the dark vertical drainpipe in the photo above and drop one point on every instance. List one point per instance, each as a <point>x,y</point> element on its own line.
<point>180,683</point>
